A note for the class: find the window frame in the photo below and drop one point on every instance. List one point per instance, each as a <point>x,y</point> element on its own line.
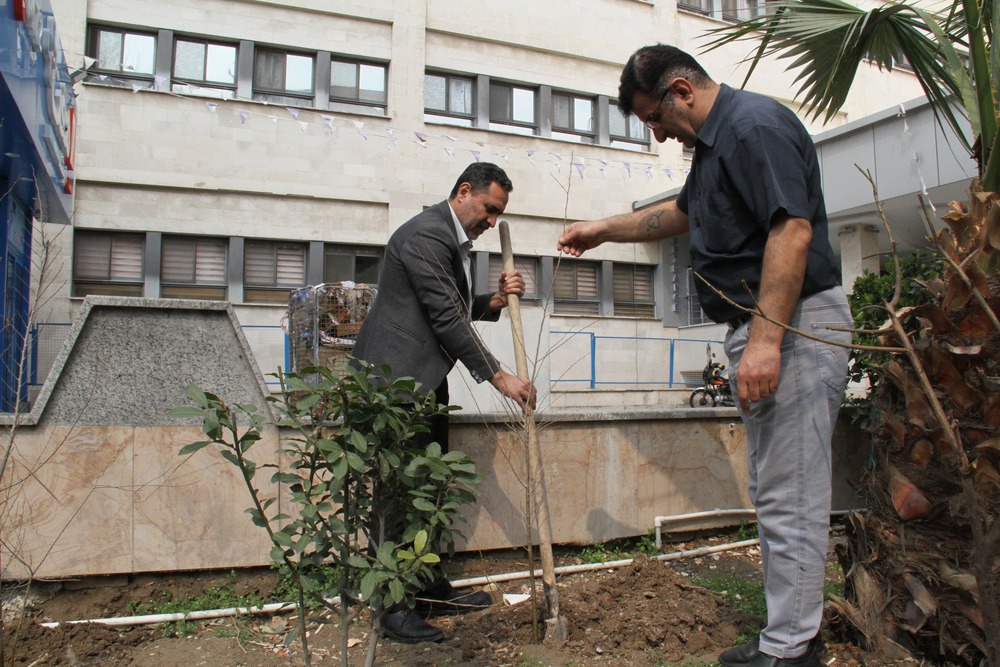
<point>570,132</point>
<point>510,124</point>
<point>357,100</point>
<point>122,75</point>
<point>131,285</point>
<point>226,89</point>
<point>632,306</point>
<point>355,251</point>
<point>575,305</point>
<point>528,266</point>
<point>642,142</point>
<point>284,95</point>
<point>193,288</point>
<point>273,291</point>
<point>691,301</point>
<point>446,115</point>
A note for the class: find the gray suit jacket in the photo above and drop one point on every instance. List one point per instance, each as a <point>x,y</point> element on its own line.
<point>420,323</point>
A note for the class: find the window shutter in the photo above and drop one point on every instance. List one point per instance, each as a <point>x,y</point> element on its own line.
<point>527,266</point>
<point>116,257</point>
<point>193,261</point>
<point>633,290</point>
<point>291,265</point>
<point>575,288</point>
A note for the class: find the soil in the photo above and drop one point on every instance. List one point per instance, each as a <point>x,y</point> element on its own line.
<point>648,612</point>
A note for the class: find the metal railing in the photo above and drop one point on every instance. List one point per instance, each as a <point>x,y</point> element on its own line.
<point>584,358</point>
<point>655,361</point>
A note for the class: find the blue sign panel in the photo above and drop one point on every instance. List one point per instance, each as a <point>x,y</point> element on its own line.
<point>37,111</point>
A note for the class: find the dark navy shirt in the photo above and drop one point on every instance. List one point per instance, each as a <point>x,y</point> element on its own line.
<point>753,160</point>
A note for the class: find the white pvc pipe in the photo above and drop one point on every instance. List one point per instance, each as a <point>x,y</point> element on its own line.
<point>278,607</point>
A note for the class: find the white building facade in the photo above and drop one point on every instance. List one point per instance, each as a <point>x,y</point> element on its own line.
<point>239,149</point>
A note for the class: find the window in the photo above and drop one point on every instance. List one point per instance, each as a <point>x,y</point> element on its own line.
<point>204,67</point>
<point>271,269</point>
<point>512,108</point>
<point>193,267</point>
<point>573,117</point>
<point>123,54</point>
<point>625,132</point>
<point>633,290</point>
<point>700,6</point>
<point>358,264</point>
<point>358,83</point>
<point>695,315</point>
<point>109,264</point>
<point>285,78</point>
<point>575,288</point>
<point>450,99</point>
<point>741,10</point>
<point>527,266</point>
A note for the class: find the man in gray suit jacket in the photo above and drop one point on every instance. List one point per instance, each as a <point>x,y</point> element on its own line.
<point>421,325</point>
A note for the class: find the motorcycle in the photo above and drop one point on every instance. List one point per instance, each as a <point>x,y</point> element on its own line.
<point>715,390</point>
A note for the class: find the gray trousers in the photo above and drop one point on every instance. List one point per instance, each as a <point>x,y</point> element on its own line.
<point>789,446</point>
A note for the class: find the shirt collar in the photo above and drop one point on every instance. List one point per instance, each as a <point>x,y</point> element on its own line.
<point>710,130</point>
<point>463,238</point>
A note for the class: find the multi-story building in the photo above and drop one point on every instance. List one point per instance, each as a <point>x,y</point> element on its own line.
<point>239,149</point>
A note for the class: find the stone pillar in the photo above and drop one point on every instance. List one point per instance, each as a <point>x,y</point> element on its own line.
<point>858,252</point>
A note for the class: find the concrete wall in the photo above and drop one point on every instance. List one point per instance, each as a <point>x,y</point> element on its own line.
<point>96,486</point>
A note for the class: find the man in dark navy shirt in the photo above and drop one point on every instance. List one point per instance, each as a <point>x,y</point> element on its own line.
<point>754,209</point>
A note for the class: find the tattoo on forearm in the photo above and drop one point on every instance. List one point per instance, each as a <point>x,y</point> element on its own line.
<point>654,221</point>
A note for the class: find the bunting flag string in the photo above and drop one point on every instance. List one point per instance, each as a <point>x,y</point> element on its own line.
<point>307,119</point>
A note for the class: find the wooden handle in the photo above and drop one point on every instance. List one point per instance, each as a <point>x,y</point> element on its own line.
<point>513,303</point>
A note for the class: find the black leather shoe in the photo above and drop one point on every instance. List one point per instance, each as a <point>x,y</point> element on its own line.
<point>442,599</point>
<point>406,626</point>
<point>749,655</point>
<point>740,655</point>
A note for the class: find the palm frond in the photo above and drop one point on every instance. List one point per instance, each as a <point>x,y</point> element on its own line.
<point>828,40</point>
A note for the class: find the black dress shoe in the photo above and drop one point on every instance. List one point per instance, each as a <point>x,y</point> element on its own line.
<point>405,626</point>
<point>740,655</point>
<point>442,599</point>
<point>749,655</point>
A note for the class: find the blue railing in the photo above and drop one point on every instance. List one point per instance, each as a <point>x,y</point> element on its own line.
<point>625,361</point>
<point>661,366</point>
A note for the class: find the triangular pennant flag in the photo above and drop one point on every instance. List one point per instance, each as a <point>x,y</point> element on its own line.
<point>212,106</point>
<point>628,168</point>
<point>388,131</point>
<point>649,171</point>
<point>160,82</point>
<point>448,151</point>
<point>274,119</point>
<point>244,116</point>
<point>359,126</point>
<point>579,168</point>
<point>136,87</point>
<point>420,139</point>
<point>303,125</point>
<point>88,62</point>
<point>292,110</point>
<point>475,154</point>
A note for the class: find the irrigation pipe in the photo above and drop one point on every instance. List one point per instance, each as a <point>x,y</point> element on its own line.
<point>661,521</point>
<point>278,607</point>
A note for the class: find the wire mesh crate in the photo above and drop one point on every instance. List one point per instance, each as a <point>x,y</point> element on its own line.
<point>323,322</point>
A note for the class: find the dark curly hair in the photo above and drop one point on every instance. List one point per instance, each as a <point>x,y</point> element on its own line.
<point>651,68</point>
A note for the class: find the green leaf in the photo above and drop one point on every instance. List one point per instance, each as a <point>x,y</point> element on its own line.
<point>430,559</point>
<point>424,505</point>
<point>195,393</point>
<point>230,456</point>
<point>193,447</point>
<point>420,541</point>
<point>368,585</point>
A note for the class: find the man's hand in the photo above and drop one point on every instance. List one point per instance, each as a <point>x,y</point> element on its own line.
<point>580,236</point>
<point>512,283</point>
<point>758,373</point>
<point>511,386</point>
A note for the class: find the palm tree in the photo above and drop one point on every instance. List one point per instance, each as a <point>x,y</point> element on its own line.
<point>922,564</point>
<point>948,51</point>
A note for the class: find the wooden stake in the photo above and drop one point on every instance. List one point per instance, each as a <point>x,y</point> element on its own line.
<point>555,626</point>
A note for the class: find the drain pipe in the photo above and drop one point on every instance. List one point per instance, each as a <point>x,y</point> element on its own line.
<point>279,607</point>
